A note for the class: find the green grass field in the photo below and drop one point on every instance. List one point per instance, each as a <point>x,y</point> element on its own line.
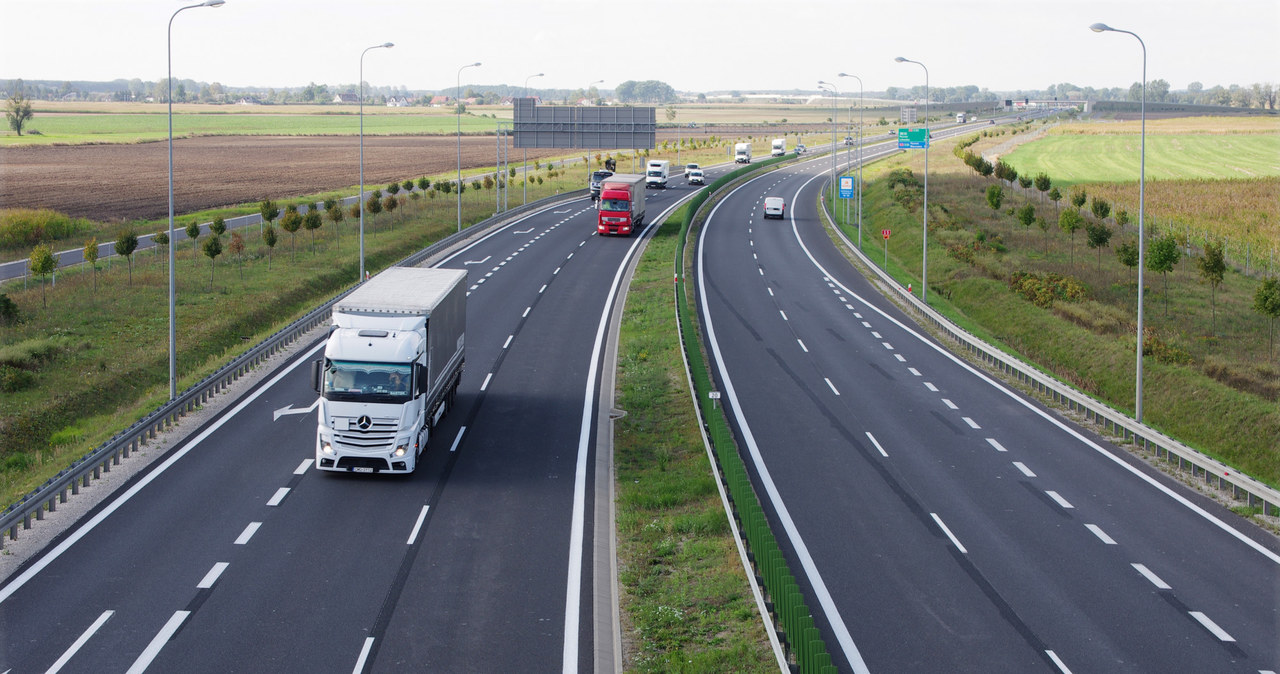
<point>1072,159</point>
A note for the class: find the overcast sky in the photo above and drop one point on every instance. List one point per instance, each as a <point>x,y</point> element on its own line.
<point>693,45</point>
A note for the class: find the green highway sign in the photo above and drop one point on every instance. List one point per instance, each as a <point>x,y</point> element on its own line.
<point>913,139</point>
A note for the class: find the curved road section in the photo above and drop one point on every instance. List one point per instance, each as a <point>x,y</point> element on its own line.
<point>937,520</point>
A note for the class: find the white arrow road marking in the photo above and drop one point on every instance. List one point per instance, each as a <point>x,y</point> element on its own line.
<point>522,231</point>
<point>567,210</point>
<point>486,259</point>
<point>288,409</point>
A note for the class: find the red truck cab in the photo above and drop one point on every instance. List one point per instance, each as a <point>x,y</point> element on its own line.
<point>621,204</point>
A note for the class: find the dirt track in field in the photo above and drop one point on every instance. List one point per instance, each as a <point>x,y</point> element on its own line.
<point>127,182</point>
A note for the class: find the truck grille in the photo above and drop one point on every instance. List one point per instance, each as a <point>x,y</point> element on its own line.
<point>349,433</point>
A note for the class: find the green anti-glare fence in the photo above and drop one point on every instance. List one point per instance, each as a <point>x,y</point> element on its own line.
<point>787,603</point>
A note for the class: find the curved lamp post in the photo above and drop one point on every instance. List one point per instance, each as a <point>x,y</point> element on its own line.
<point>859,155</point>
<point>1142,172</point>
<point>458,113</point>
<point>525,174</point>
<point>360,199</point>
<point>586,94</point>
<point>835,149</point>
<point>924,267</point>
<point>173,286</point>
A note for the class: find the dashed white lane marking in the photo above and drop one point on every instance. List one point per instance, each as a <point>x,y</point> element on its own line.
<point>997,445</point>
<point>1102,535</point>
<point>770,291</point>
<point>877,444</point>
<point>887,345</point>
<point>900,357</point>
<point>866,324</point>
<point>153,649</point>
<point>1023,467</point>
<point>850,306</point>
<point>485,385</point>
<point>249,531</point>
<point>972,424</point>
<point>950,404</point>
<point>212,577</point>
<point>422,516</point>
<point>914,371</point>
<point>876,335</point>
<point>858,316</point>
<point>802,346</point>
<point>784,314</point>
<point>1151,576</point>
<point>303,467</point>
<point>557,271</point>
<point>458,439</point>
<point>833,386</point>
<point>955,541</point>
<point>526,312</point>
<point>1058,498</point>
<point>1211,626</point>
<point>1062,666</point>
<point>929,385</point>
<point>79,643</point>
<point>364,655</point>
<point>508,342</point>
<point>761,271</point>
<point>279,496</point>
<point>542,289</point>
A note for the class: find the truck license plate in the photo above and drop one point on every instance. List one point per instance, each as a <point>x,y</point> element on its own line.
<point>362,469</point>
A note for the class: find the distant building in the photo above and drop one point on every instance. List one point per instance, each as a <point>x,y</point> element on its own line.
<point>399,101</point>
<point>346,98</point>
<point>248,100</point>
<point>907,114</point>
<point>437,101</point>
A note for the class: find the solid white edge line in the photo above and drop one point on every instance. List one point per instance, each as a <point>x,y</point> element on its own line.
<point>364,655</point>
<point>303,467</point>
<point>1151,576</point>
<point>1058,497</point>
<point>810,569</point>
<point>947,531</point>
<point>213,575</point>
<point>278,496</point>
<point>573,589</point>
<point>102,515</point>
<point>153,649</point>
<point>1062,666</point>
<point>1102,535</point>
<point>877,444</point>
<point>1151,481</point>
<point>247,534</point>
<point>1023,467</point>
<point>1211,626</point>
<point>485,385</point>
<point>422,516</point>
<point>458,439</point>
<point>79,643</point>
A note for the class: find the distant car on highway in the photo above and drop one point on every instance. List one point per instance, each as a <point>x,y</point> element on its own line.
<point>696,177</point>
<point>800,148</point>
<point>848,140</point>
<point>774,207</point>
<point>690,167</point>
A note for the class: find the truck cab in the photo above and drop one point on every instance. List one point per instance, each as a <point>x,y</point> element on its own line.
<point>594,183</point>
<point>779,147</point>
<point>742,153</point>
<point>656,173</point>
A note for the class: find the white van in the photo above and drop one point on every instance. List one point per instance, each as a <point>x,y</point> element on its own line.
<point>656,173</point>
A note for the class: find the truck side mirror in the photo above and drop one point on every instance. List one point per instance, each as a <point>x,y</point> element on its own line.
<point>317,372</point>
<point>420,379</point>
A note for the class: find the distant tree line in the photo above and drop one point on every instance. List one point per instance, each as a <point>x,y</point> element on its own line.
<point>1257,95</point>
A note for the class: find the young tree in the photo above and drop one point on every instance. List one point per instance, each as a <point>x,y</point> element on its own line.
<point>212,249</point>
<point>374,205</point>
<point>237,249</point>
<point>389,204</point>
<point>1127,253</point>
<point>1043,183</point>
<point>1044,227</point>
<point>1099,235</point>
<point>1266,301</point>
<point>312,221</point>
<point>18,111</point>
<point>269,212</point>
<point>1027,214</point>
<point>1070,221</point>
<point>407,185</point>
<point>1122,217</point>
<point>218,226</point>
<point>291,222</point>
<point>91,256</point>
<point>984,168</point>
<point>1164,253</point>
<point>994,196</point>
<point>393,188</point>
<point>354,210</point>
<point>193,233</point>
<point>330,202</point>
<point>424,183</point>
<point>270,238</point>
<point>42,264</point>
<point>1055,195</point>
<point>161,239</point>
<point>1078,197</point>
<point>1213,268</point>
<point>126,243</point>
<point>1101,209</point>
<point>335,216</point>
<point>1025,183</point>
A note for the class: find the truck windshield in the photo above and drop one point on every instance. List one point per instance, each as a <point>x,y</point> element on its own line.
<point>655,173</point>
<point>615,205</point>
<point>367,382</point>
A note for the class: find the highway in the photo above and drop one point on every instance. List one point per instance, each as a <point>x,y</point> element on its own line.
<point>937,520</point>
<point>233,554</point>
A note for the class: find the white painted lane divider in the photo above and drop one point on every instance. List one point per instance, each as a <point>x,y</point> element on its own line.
<point>249,531</point>
<point>1102,535</point>
<point>304,466</point>
<point>929,385</point>
<point>914,371</point>
<point>1023,467</point>
<point>950,404</point>
<point>1151,576</point>
<point>364,655</point>
<point>279,496</point>
<point>422,516</point>
<point>80,642</point>
<point>153,649</point>
<point>972,424</point>
<point>508,342</point>
<point>833,386</point>
<point>802,346</point>
<point>485,385</point>
<point>458,439</point>
<point>1062,666</point>
<point>213,575</point>
<point>875,442</point>
<point>1211,626</point>
<point>955,541</point>
<point>1058,498</point>
<point>997,445</point>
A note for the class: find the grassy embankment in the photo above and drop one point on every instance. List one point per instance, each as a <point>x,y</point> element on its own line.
<point>1209,379</point>
<point>687,605</point>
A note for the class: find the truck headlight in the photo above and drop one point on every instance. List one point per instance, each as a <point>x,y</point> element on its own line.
<point>402,446</point>
<point>326,447</point>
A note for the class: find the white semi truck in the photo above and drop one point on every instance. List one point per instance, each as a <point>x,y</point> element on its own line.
<point>390,370</point>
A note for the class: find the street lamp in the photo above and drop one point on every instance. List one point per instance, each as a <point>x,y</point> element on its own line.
<point>360,199</point>
<point>525,173</point>
<point>586,94</point>
<point>835,149</point>
<point>1142,172</point>
<point>458,113</point>
<point>924,267</point>
<point>173,285</point>
<point>859,155</point>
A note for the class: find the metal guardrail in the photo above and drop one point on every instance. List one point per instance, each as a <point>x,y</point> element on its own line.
<point>92,465</point>
<point>1214,473</point>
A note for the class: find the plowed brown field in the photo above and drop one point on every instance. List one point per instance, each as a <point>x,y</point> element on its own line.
<point>126,182</point>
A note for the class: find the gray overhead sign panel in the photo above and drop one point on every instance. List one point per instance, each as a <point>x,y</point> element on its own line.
<point>594,128</point>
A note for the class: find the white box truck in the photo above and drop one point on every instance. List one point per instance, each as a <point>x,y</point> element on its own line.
<point>959,118</point>
<point>656,173</point>
<point>390,370</point>
<point>779,147</point>
<point>742,153</point>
